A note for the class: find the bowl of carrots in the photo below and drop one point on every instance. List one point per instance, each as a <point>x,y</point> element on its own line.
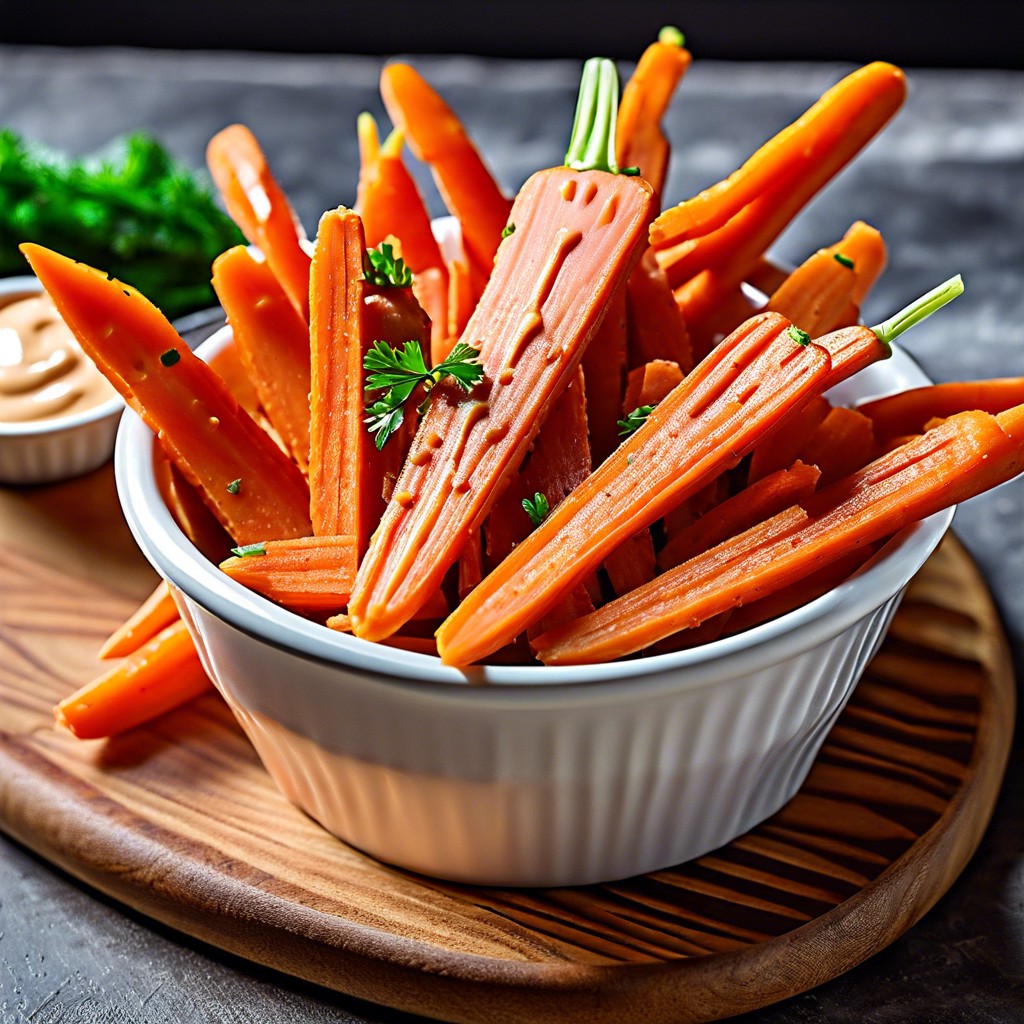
<point>545,553</point>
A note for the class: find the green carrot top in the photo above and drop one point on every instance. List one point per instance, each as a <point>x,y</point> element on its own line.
<point>592,143</point>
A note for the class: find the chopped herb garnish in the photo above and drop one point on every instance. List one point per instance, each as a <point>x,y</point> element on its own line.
<point>800,337</point>
<point>248,550</point>
<point>537,509</point>
<point>630,172</point>
<point>170,357</point>
<point>844,260</point>
<point>382,269</point>
<point>635,420</point>
<point>508,229</point>
<point>399,371</point>
<point>235,486</point>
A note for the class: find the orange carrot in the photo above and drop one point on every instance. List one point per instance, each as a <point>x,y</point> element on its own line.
<point>313,574</point>
<point>259,206</point>
<point>577,234</point>
<point>189,511</point>
<point>368,138</point>
<point>438,138</point>
<point>632,564</point>
<point>158,677</point>
<point>157,612</point>
<point>842,442</point>
<point>782,448</point>
<point>759,501</point>
<point>650,383</point>
<point>639,140</point>
<point>461,301</point>
<point>704,426</point>
<point>908,411</point>
<point>253,488</point>
<point>827,135</point>
<point>656,329</point>
<point>967,454</point>
<point>604,374</point>
<point>471,565</point>
<point>272,341</point>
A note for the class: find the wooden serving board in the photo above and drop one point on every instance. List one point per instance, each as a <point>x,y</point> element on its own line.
<point>180,821</point>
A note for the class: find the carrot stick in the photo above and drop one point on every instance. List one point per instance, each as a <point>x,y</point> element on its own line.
<point>704,426</point>
<point>258,205</point>
<point>731,309</point>
<point>471,566</point>
<point>656,329</point>
<point>158,677</point>
<point>189,511</point>
<point>253,488</point>
<point>842,442</point>
<point>273,342</point>
<point>313,574</point>
<point>757,502</point>
<point>437,137</point>
<point>827,135</point>
<point>632,564</point>
<point>908,411</point>
<point>967,454</point>
<point>639,139</point>
<point>577,234</point>
<point>461,301</point>
<point>368,139</point>
<point>604,374</point>
<point>157,612</point>
<point>650,383</point>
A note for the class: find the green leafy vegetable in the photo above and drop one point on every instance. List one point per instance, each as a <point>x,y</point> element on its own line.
<point>508,229</point>
<point>398,372</point>
<point>800,337</point>
<point>382,269</point>
<point>537,509</point>
<point>235,486</point>
<point>843,260</point>
<point>249,550</point>
<point>635,420</point>
<point>131,211</point>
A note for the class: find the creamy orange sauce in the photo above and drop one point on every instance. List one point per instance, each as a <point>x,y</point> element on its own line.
<point>43,371</point>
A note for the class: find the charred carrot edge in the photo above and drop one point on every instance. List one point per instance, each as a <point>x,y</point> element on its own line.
<point>604,374</point>
<point>259,206</point>
<point>704,426</point>
<point>655,326</point>
<point>842,442</point>
<point>908,411</point>
<point>967,454</point>
<point>639,139</point>
<point>650,383</point>
<point>304,573</point>
<point>830,132</point>
<point>272,341</point>
<point>577,235</point>
<point>759,501</point>
<point>437,137</point>
<point>253,488</point>
<point>156,613</point>
<point>158,677</point>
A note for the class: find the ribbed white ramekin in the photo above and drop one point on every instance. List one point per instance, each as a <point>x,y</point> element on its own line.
<point>530,775</point>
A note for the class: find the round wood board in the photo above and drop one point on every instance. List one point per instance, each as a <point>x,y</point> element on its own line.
<point>179,820</point>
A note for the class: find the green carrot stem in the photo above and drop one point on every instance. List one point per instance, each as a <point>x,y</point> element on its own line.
<point>918,310</point>
<point>671,36</point>
<point>592,143</point>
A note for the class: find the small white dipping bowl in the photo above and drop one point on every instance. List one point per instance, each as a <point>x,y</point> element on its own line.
<point>59,447</point>
<point>530,776</point>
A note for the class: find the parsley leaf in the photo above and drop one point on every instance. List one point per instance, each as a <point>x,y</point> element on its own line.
<point>537,508</point>
<point>382,269</point>
<point>635,420</point>
<point>248,550</point>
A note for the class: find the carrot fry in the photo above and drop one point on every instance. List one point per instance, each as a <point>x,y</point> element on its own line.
<point>158,677</point>
<point>604,374</point>
<point>656,329</point>
<point>253,488</point>
<point>313,574</point>
<point>272,341</point>
<point>577,234</point>
<point>827,135</point>
<point>258,205</point>
<point>639,139</point>
<point>157,612</point>
<point>703,427</point>
<point>965,455</point>
<point>437,137</point>
<point>761,500</point>
<point>842,442</point>
<point>908,411</point>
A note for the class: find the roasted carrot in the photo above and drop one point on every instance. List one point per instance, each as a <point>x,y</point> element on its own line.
<point>259,206</point>
<point>437,137</point>
<point>908,411</point>
<point>156,678</point>
<point>639,139</point>
<point>273,342</point>
<point>842,442</point>
<point>577,234</point>
<point>742,390</point>
<point>965,455</point>
<point>313,574</point>
<point>253,488</point>
<point>655,327</point>
<point>157,612</point>
<point>827,135</point>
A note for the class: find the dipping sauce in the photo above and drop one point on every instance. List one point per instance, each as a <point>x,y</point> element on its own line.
<point>43,372</point>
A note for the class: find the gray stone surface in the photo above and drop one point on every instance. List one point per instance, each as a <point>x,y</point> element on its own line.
<point>944,184</point>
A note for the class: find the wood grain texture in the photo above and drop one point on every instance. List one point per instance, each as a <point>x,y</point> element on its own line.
<point>180,821</point>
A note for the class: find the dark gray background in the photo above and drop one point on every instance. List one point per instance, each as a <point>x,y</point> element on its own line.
<point>943,184</point>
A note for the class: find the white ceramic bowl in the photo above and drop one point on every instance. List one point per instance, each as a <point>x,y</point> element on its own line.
<point>530,775</point>
<point>44,451</point>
